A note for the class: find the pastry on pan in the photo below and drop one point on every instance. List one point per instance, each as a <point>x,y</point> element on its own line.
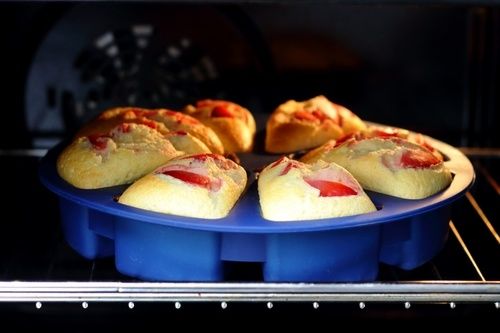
<point>290,190</point>
<point>388,165</point>
<point>125,153</point>
<point>198,138</point>
<point>295,126</point>
<point>203,186</point>
<point>233,124</point>
<point>381,131</point>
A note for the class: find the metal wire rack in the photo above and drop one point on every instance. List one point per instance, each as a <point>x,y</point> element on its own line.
<point>38,267</point>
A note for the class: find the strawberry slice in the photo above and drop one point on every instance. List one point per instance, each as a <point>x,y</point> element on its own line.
<point>189,177</point>
<point>320,115</point>
<point>124,127</point>
<point>211,102</point>
<point>143,112</point>
<point>221,111</point>
<point>330,189</point>
<point>418,159</point>
<point>291,164</point>
<point>277,162</point>
<point>304,115</point>
<point>149,123</point>
<point>98,141</point>
<point>385,132</point>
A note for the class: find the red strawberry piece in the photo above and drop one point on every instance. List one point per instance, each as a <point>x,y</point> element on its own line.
<point>221,111</point>
<point>291,164</point>
<point>385,132</point>
<point>330,189</point>
<point>124,128</point>
<point>189,177</point>
<point>304,115</point>
<point>98,141</point>
<point>320,115</point>
<point>277,162</point>
<point>418,159</point>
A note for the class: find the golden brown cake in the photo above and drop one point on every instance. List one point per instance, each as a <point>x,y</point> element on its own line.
<point>290,190</point>
<point>203,186</point>
<point>232,123</point>
<point>295,126</point>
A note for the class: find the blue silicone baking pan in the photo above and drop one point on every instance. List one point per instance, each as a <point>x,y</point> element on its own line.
<point>159,247</point>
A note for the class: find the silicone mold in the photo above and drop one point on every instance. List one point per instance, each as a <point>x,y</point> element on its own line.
<point>160,247</point>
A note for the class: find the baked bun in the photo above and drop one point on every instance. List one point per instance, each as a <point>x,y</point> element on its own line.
<point>204,186</point>
<point>188,134</point>
<point>295,126</point>
<point>233,124</point>
<point>380,131</point>
<point>290,190</point>
<point>388,165</point>
<point>178,121</point>
<point>120,156</point>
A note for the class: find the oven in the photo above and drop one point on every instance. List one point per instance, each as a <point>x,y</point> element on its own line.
<point>430,67</point>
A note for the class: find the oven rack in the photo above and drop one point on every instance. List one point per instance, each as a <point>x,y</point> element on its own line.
<point>40,268</point>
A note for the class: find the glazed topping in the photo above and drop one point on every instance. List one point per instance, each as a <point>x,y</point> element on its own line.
<point>329,188</point>
<point>418,159</point>
<point>98,141</point>
<point>221,111</point>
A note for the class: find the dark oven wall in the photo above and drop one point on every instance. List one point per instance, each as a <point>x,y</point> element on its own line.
<point>427,68</point>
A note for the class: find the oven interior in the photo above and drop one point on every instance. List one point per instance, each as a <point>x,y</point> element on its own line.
<point>428,68</point>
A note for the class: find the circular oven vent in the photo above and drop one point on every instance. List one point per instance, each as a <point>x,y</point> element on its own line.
<point>99,56</point>
<point>129,67</point>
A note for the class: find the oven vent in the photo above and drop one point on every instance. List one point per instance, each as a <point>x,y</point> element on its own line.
<point>126,67</point>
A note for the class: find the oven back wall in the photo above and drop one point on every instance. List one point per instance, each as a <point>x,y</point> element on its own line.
<point>417,67</point>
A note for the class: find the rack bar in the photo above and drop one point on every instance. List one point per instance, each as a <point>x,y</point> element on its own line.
<point>483,216</point>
